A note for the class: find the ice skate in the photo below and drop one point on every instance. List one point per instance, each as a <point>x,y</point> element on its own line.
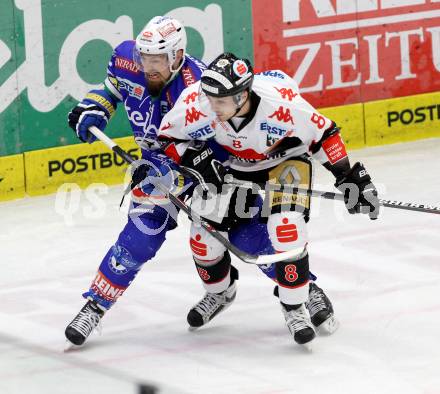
<point>83,324</point>
<point>321,310</point>
<point>211,305</point>
<point>299,324</point>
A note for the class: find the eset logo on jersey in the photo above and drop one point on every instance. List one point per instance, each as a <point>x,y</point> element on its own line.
<point>134,90</point>
<point>204,131</point>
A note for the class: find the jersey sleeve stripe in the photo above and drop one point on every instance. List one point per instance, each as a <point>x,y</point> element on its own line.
<point>112,90</point>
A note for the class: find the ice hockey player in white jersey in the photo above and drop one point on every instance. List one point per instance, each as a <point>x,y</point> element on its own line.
<point>271,133</point>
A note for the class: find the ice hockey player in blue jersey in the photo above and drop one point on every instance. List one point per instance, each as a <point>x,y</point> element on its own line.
<point>146,76</point>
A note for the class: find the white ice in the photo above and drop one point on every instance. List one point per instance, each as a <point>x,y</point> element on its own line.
<point>383,277</point>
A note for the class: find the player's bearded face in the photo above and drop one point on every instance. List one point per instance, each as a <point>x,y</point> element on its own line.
<point>157,71</point>
<point>224,107</point>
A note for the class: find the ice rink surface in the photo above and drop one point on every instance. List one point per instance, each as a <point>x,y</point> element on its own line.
<point>383,277</point>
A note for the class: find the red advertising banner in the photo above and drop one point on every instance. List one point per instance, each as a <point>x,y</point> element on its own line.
<point>350,51</point>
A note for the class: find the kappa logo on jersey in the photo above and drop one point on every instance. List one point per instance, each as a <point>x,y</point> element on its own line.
<point>191,98</point>
<point>286,93</point>
<point>202,132</point>
<point>133,89</point>
<point>188,76</point>
<point>283,115</point>
<point>166,126</point>
<point>125,64</point>
<point>192,115</point>
<point>273,74</point>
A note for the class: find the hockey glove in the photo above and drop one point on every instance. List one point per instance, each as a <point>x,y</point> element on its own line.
<point>95,110</point>
<point>199,163</point>
<point>360,194</point>
<point>157,176</point>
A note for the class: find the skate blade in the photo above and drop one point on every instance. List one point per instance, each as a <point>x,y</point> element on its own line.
<point>329,326</point>
<point>192,329</point>
<point>308,347</point>
<point>69,346</point>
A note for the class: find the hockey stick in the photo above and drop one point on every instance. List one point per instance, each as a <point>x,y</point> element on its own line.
<point>409,206</point>
<point>245,257</point>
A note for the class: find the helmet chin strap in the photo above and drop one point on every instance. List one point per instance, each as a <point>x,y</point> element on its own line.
<point>172,70</point>
<point>239,107</point>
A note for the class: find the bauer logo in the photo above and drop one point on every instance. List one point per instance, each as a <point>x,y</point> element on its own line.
<point>202,132</point>
<point>343,52</point>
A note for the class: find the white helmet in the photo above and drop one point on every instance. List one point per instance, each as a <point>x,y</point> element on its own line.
<point>162,35</point>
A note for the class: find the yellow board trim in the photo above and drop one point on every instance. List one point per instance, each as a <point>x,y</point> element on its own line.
<point>365,124</point>
<point>82,164</point>
<point>12,180</point>
<point>402,119</point>
<point>350,118</point>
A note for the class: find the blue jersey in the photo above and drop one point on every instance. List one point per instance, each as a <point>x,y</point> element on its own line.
<point>127,84</point>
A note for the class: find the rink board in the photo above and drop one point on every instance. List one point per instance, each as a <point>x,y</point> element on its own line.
<point>350,118</point>
<point>363,124</point>
<point>82,164</point>
<point>402,119</point>
<point>12,180</point>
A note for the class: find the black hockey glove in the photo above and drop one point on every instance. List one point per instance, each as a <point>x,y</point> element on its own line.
<point>360,194</point>
<point>199,163</point>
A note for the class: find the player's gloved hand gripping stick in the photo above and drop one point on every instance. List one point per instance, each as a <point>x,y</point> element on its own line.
<point>245,257</point>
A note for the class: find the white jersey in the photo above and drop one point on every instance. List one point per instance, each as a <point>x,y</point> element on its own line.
<point>281,115</point>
